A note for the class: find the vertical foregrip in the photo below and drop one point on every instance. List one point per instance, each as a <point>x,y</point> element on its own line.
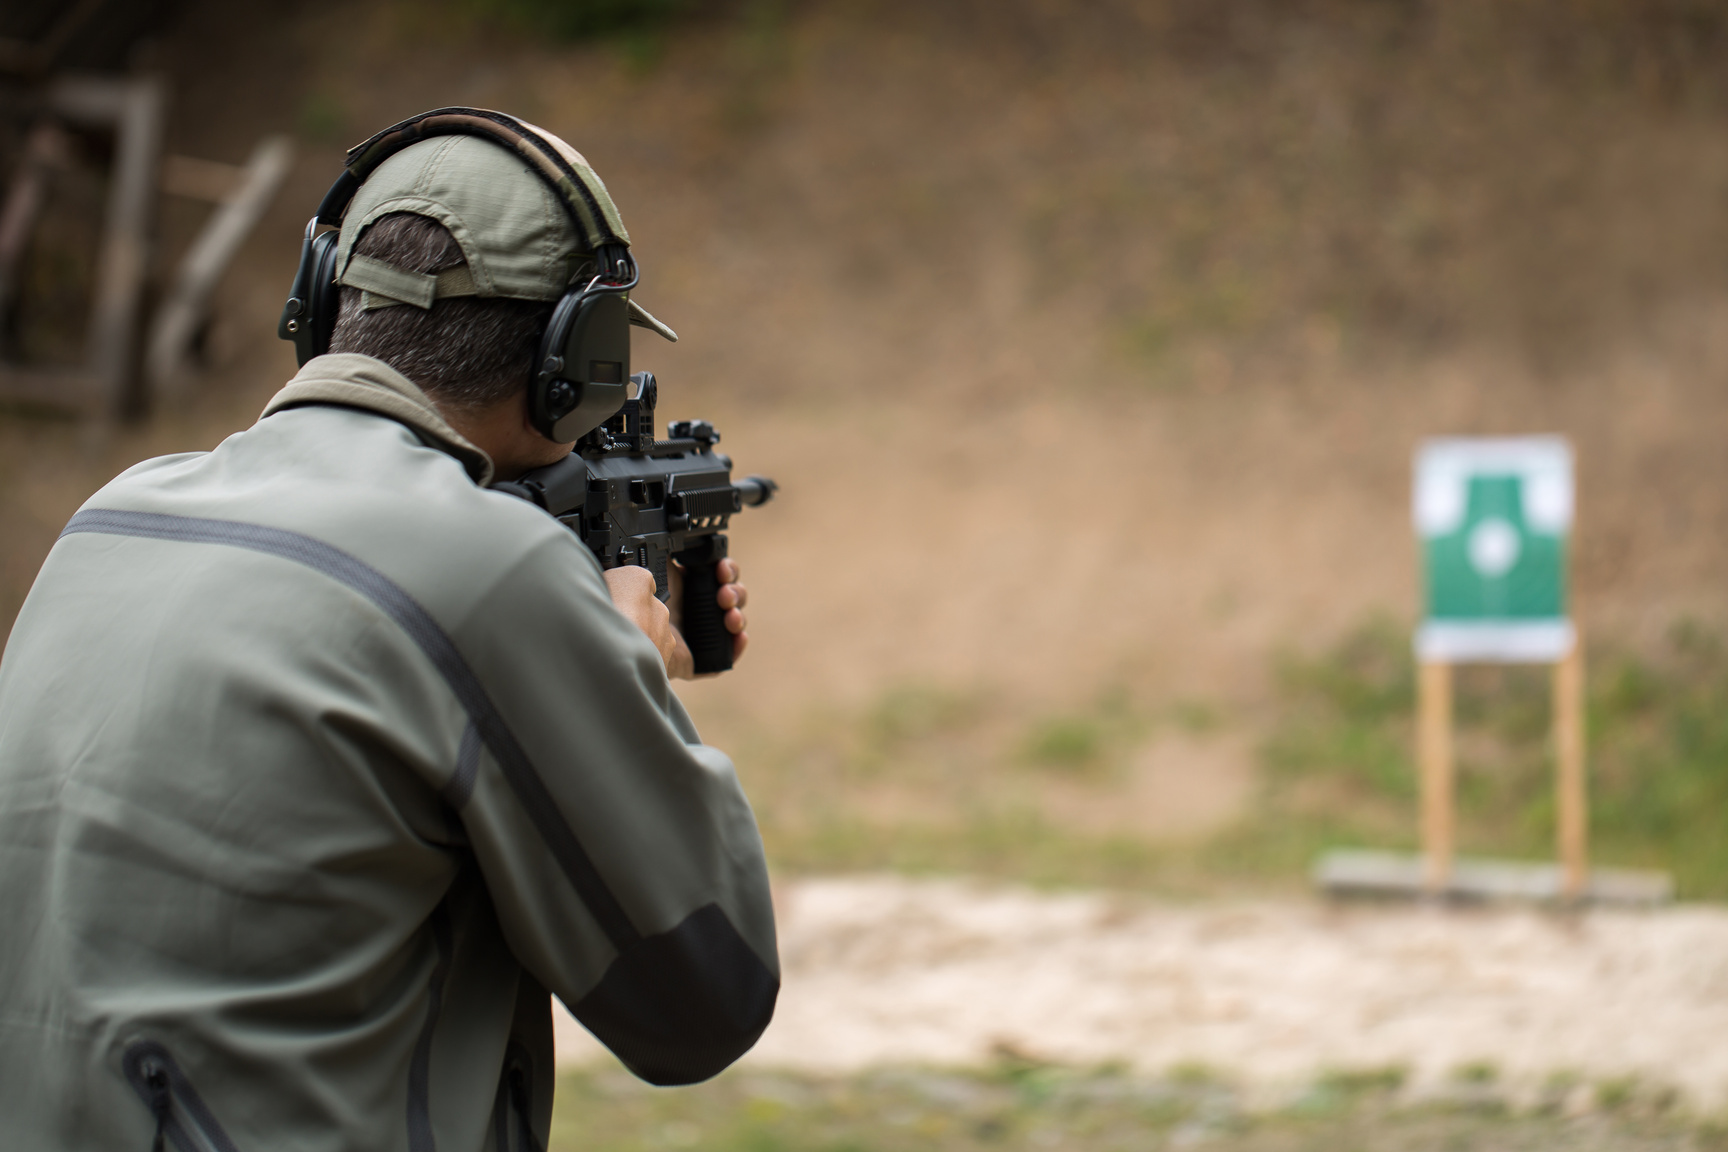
<point>704,621</point>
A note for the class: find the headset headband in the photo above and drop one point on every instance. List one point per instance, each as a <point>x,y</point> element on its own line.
<point>579,187</point>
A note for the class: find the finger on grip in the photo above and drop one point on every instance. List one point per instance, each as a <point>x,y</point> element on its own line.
<point>704,621</point>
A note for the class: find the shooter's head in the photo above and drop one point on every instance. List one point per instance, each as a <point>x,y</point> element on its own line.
<point>483,259</point>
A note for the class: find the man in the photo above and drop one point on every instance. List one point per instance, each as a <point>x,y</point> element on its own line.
<point>320,763</point>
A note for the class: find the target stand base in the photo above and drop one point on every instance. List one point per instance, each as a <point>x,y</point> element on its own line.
<point>1398,875</point>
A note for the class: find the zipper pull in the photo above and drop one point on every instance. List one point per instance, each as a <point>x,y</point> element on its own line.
<point>161,1103</point>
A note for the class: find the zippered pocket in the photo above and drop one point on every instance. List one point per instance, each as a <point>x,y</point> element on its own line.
<point>180,1114</point>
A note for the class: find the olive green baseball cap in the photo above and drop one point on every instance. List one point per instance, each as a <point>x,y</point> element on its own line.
<point>516,233</point>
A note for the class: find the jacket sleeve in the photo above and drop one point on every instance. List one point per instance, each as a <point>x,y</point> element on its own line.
<point>620,852</point>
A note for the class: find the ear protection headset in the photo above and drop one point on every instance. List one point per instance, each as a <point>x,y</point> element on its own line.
<point>582,369</point>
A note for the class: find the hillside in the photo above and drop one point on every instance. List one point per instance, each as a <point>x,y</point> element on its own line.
<point>1088,344</point>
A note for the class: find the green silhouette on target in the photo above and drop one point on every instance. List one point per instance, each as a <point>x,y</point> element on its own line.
<point>1494,565</point>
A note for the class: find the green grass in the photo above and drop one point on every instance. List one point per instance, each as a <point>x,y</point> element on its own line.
<point>938,779</point>
<point>1340,768</point>
<point>1020,1104</point>
<point>1066,742</point>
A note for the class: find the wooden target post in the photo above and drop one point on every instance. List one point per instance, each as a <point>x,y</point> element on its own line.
<point>1573,808</point>
<point>1438,786</point>
<point>1434,762</point>
<point>1493,517</point>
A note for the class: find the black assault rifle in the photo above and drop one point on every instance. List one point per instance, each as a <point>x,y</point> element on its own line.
<point>637,500</point>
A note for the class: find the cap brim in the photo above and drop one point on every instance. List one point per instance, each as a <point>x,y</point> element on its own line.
<point>643,318</point>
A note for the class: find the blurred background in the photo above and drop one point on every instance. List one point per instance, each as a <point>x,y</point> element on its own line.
<point>1089,343</point>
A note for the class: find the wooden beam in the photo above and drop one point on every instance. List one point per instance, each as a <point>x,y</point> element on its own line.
<point>1434,754</point>
<point>1434,751</point>
<point>135,108</point>
<point>185,311</point>
<point>45,151</point>
<point>1572,821</point>
<point>209,180</point>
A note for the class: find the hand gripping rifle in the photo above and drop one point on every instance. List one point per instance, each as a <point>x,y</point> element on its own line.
<point>637,500</point>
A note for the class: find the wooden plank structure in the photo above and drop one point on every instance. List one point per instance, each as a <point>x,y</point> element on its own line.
<point>1434,765</point>
<point>1368,874</point>
<point>63,60</point>
<point>242,194</point>
<point>104,385</point>
<point>1434,718</point>
<point>1494,516</point>
<point>133,108</point>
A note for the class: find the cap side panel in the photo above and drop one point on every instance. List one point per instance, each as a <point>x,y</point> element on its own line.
<point>579,164</point>
<point>472,250</point>
<point>433,168</point>
<point>415,176</point>
<point>526,209</point>
<point>579,186</point>
<point>578,205</point>
<point>513,229</point>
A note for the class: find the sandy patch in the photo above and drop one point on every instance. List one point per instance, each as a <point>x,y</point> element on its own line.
<point>885,970</point>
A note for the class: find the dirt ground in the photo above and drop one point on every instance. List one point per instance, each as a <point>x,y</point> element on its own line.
<point>883,971</point>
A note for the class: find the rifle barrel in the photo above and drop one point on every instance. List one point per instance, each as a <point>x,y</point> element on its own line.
<point>754,490</point>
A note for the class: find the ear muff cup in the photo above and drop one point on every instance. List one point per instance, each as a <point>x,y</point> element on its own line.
<point>309,317</point>
<point>584,366</point>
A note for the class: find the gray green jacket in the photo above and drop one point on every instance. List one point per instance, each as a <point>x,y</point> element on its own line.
<point>320,765</point>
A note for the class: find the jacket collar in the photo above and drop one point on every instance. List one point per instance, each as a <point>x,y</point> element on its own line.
<point>355,381</point>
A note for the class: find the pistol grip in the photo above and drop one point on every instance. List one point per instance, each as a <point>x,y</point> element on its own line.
<point>704,621</point>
